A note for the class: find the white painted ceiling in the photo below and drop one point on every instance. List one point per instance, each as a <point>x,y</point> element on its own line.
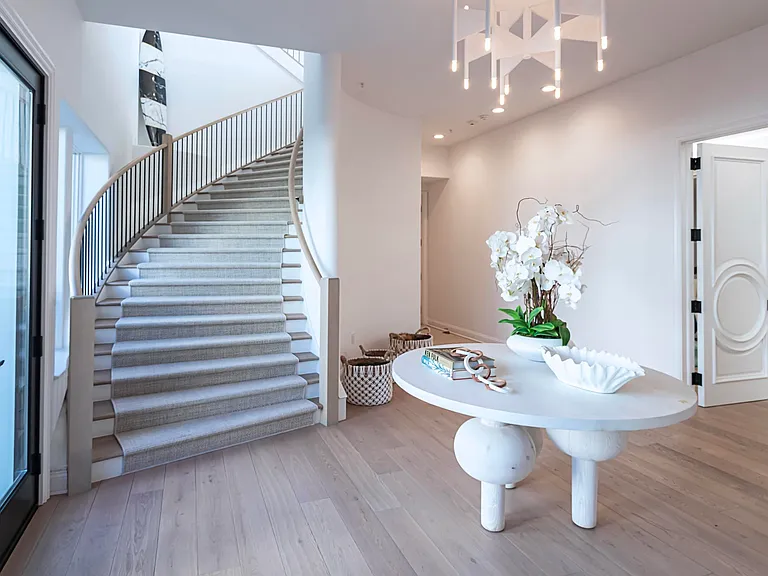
<point>396,53</point>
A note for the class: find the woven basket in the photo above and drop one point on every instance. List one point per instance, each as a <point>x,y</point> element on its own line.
<point>367,381</point>
<point>405,341</point>
<point>384,353</point>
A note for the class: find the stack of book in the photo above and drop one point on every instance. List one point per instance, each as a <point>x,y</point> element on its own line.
<point>443,362</point>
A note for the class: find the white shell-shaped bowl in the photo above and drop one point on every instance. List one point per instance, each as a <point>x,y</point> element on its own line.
<point>591,370</point>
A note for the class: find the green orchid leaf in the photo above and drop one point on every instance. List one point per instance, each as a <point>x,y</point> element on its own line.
<point>506,321</point>
<point>565,335</point>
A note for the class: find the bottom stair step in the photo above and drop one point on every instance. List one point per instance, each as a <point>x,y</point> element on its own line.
<point>170,442</point>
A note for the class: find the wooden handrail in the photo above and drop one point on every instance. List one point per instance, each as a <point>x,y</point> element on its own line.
<point>225,118</point>
<point>295,209</point>
<point>75,282</point>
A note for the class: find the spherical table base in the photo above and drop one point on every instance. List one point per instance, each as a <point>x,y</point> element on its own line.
<point>498,455</point>
<point>586,449</point>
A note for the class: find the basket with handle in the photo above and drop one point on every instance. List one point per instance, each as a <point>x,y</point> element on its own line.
<point>403,342</point>
<point>384,353</point>
<point>367,380</point>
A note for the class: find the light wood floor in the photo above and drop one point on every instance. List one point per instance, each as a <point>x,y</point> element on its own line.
<point>381,494</point>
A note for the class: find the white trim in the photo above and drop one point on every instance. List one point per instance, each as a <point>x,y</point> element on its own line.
<point>284,60</point>
<point>683,254</point>
<point>462,332</point>
<point>58,481</point>
<point>424,278</point>
<point>23,36</point>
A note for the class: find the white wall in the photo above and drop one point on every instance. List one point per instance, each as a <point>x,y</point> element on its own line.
<point>379,225</point>
<point>435,162</point>
<point>616,153</point>
<point>362,178</point>
<point>752,139</point>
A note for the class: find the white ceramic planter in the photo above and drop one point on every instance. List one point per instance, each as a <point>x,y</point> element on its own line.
<point>531,348</point>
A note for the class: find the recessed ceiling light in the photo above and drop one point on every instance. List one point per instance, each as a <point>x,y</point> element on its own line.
<point>548,88</point>
<point>466,6</point>
<point>498,110</point>
<point>439,136</point>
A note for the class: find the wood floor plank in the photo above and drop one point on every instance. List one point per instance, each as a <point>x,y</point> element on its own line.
<point>29,540</point>
<point>369,436</point>
<point>297,467</point>
<point>177,540</point>
<point>341,554</point>
<point>228,572</point>
<point>256,542</point>
<point>96,549</point>
<point>149,480</point>
<point>137,545</point>
<point>379,550</point>
<point>216,541</point>
<point>422,554</point>
<point>54,552</point>
<point>298,549</point>
<point>363,477</point>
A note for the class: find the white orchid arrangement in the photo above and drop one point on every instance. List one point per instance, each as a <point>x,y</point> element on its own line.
<point>534,267</point>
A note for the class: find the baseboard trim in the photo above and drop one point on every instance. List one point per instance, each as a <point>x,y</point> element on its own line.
<point>58,482</point>
<point>463,332</point>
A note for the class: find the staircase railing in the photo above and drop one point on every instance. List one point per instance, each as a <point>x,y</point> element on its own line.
<point>147,189</point>
<point>297,55</point>
<point>328,333</point>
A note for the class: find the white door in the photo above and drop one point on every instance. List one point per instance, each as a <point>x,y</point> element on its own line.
<point>733,185</point>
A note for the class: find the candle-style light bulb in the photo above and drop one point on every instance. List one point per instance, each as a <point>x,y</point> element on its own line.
<point>557,20</point>
<point>603,26</point>
<point>454,65</point>
<point>487,25</point>
<point>506,85</point>
<point>557,93</point>
<point>600,65</point>
<point>454,47</point>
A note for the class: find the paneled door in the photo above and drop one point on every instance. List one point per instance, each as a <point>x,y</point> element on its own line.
<point>733,184</point>
<point>21,92</point>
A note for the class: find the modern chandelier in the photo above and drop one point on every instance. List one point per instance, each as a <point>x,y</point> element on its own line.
<point>482,27</point>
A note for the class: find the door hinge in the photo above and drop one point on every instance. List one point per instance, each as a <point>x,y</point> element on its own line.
<point>36,464</point>
<point>42,113</point>
<point>695,306</point>
<point>37,347</point>
<point>696,379</point>
<point>695,163</point>
<point>695,234</point>
<point>39,228</point>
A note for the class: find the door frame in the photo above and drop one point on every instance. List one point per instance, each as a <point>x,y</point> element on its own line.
<point>23,37</point>
<point>684,218</point>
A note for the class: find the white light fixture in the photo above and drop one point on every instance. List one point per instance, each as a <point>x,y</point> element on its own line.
<point>557,93</point>
<point>498,110</point>
<point>548,88</point>
<point>439,136</point>
<point>489,29</point>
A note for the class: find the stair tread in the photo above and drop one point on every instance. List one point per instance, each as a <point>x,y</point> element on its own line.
<point>295,316</point>
<point>103,410</point>
<point>205,236</point>
<point>313,378</point>
<point>161,300</point>
<point>300,336</point>
<point>215,265</point>
<point>306,356</point>
<point>198,367</point>
<point>137,441</point>
<point>169,344</point>
<point>207,281</point>
<point>102,349</point>
<point>203,394</point>
<point>205,250</point>
<point>146,321</point>
<point>109,302</point>
<point>105,448</point>
<point>106,322</point>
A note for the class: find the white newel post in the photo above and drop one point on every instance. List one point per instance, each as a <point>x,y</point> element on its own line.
<point>586,449</point>
<point>80,393</point>
<point>496,454</point>
<point>329,351</point>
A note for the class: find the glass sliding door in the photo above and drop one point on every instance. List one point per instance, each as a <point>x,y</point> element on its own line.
<point>21,88</point>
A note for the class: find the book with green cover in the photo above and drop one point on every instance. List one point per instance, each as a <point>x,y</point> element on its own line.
<point>443,357</point>
<point>454,374</point>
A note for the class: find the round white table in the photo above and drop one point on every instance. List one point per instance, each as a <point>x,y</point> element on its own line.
<point>500,444</point>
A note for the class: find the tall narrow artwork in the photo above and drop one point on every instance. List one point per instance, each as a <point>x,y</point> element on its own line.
<point>152,96</point>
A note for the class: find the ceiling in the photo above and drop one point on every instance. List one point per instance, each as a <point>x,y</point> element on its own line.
<point>396,53</point>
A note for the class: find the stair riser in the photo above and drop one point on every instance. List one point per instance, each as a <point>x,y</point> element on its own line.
<point>193,354</point>
<point>170,383</point>
<point>216,257</point>
<point>237,227</point>
<point>192,241</point>
<point>229,438</point>
<point>268,173</point>
<point>219,214</point>
<point>257,183</point>
<point>209,290</point>
<point>197,330</point>
<point>124,423</point>
<point>191,309</point>
<point>245,201</point>
<point>199,273</point>
<point>245,193</point>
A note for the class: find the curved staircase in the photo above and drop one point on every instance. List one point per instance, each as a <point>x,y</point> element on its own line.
<point>201,339</point>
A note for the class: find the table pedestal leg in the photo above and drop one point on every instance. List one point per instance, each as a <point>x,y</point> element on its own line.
<point>586,449</point>
<point>498,455</point>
